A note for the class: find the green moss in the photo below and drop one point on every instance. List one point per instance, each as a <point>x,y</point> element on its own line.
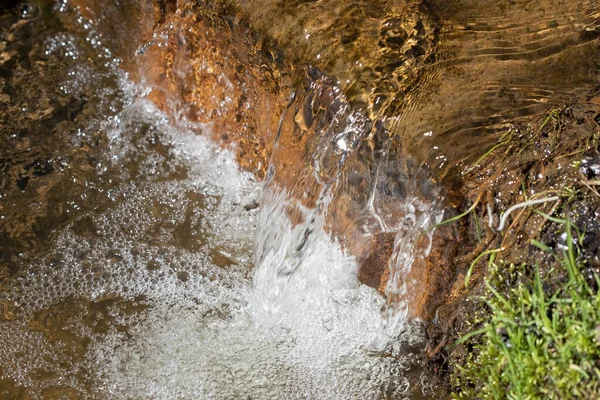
<point>540,341</point>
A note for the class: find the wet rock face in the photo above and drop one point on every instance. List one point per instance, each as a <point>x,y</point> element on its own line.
<point>443,79</point>
<point>212,72</point>
<point>203,64</point>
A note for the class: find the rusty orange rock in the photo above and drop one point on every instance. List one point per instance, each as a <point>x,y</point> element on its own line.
<point>204,63</point>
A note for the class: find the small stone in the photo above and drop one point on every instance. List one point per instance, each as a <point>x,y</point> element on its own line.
<point>590,164</point>
<point>6,56</point>
<point>251,206</point>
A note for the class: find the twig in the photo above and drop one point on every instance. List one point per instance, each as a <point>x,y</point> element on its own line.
<point>490,216</point>
<point>521,205</point>
<point>590,184</point>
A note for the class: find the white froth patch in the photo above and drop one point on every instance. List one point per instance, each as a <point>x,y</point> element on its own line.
<point>208,335</point>
<point>313,350</point>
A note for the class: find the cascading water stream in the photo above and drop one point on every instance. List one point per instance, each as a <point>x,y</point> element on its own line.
<point>335,140</point>
<point>140,259</point>
<point>144,289</point>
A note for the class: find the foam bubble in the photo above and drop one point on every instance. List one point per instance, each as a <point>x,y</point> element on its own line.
<point>148,293</point>
<point>202,331</point>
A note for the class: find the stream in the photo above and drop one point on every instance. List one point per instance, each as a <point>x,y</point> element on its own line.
<point>139,259</point>
<point>128,250</point>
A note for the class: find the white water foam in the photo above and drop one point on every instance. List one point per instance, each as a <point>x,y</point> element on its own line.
<point>175,244</point>
<point>204,332</point>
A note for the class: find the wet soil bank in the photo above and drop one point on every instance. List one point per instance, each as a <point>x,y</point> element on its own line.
<point>552,159</point>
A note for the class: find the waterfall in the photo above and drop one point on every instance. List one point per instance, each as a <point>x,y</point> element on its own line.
<point>337,177</point>
<point>160,278</point>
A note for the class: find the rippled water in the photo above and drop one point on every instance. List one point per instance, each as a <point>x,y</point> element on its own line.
<point>499,63</point>
<point>448,76</point>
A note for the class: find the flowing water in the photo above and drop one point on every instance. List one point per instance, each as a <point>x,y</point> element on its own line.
<point>127,249</point>
<point>138,260</point>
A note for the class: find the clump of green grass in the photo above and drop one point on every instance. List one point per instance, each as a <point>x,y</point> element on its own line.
<point>538,343</point>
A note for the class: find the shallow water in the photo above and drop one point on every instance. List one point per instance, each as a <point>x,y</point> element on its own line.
<point>498,64</point>
<point>448,76</point>
<point>127,250</point>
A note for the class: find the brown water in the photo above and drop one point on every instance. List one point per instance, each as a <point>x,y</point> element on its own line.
<point>500,63</point>
<point>462,70</point>
<point>127,235</point>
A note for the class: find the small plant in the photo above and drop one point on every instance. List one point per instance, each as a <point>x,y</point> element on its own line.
<point>541,341</point>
